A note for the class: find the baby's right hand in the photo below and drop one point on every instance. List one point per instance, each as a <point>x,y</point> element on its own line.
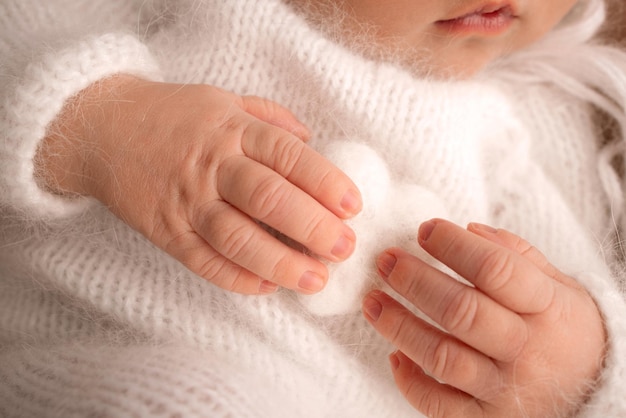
<point>193,168</point>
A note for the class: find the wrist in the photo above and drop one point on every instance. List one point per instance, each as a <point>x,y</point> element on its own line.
<point>76,141</point>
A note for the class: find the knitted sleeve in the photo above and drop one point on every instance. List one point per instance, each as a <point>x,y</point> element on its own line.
<point>98,378</point>
<point>87,380</point>
<point>608,399</point>
<point>50,51</point>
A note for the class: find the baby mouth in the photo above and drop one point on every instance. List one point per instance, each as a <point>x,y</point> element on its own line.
<point>488,20</point>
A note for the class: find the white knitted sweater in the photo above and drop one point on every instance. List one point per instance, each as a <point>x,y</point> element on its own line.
<point>95,321</point>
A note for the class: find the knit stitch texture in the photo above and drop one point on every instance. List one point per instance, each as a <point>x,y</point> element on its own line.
<point>96,321</point>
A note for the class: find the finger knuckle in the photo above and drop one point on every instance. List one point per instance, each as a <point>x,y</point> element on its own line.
<point>235,243</point>
<point>281,268</point>
<point>287,153</point>
<point>452,363</point>
<point>399,326</point>
<point>442,248</point>
<point>523,247</point>
<point>461,310</point>
<point>533,254</point>
<point>410,289</point>
<point>313,227</point>
<point>526,249</point>
<point>443,359</point>
<point>222,273</point>
<point>268,198</point>
<point>237,282</point>
<point>496,270</point>
<point>328,179</point>
<point>212,269</point>
<point>431,403</point>
<point>176,239</point>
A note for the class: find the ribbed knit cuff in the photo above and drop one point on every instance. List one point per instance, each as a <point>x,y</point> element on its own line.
<point>609,399</point>
<point>35,99</point>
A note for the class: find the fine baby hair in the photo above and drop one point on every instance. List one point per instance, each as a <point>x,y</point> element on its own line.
<point>156,156</point>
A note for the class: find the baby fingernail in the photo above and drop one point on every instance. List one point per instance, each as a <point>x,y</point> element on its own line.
<point>425,230</point>
<point>344,245</point>
<point>311,282</point>
<point>351,202</point>
<point>386,262</point>
<point>372,308</point>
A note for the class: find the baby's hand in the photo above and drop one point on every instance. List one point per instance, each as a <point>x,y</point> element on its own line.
<point>194,168</point>
<point>526,341</point>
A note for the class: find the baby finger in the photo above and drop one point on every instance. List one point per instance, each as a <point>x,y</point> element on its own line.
<point>264,195</point>
<point>439,354</point>
<point>502,274</point>
<point>524,248</point>
<point>245,243</point>
<point>303,167</point>
<point>461,310</point>
<point>427,395</point>
<point>194,252</point>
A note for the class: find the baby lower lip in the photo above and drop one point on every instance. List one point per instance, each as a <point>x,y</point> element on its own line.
<point>479,23</point>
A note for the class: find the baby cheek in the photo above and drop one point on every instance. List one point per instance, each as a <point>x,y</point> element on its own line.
<point>541,17</point>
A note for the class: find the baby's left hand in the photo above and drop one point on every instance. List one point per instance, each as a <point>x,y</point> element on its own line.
<point>525,341</point>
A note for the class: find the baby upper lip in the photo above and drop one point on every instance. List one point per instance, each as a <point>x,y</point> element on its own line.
<point>483,8</point>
